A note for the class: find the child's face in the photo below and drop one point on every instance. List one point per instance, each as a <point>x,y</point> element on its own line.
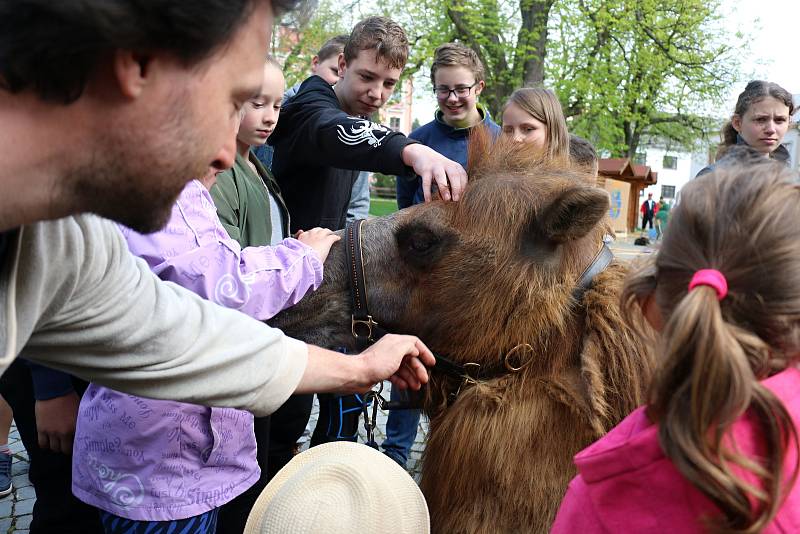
<point>261,113</point>
<point>456,109</point>
<point>764,124</point>
<point>327,69</point>
<point>366,83</point>
<point>523,127</point>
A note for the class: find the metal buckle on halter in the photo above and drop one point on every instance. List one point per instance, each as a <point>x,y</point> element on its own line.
<point>368,323</point>
<point>470,377</point>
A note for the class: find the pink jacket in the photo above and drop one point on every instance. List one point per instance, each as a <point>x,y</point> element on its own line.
<point>626,484</point>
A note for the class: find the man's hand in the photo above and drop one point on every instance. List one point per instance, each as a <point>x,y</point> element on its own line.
<point>401,359</point>
<point>450,177</point>
<point>320,239</point>
<point>55,422</point>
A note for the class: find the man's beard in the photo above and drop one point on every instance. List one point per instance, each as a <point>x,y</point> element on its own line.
<point>137,177</point>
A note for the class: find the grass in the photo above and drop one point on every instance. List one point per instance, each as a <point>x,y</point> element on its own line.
<point>382,206</point>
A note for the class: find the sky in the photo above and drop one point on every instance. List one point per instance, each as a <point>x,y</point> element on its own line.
<point>773,27</point>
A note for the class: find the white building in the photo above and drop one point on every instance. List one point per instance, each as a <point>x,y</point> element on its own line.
<point>674,167</point>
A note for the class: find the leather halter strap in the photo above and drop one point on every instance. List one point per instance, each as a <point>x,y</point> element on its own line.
<point>367,331</point>
<point>363,327</point>
<point>599,264</point>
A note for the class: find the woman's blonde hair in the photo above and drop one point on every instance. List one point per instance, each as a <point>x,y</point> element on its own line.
<point>543,105</point>
<point>714,353</point>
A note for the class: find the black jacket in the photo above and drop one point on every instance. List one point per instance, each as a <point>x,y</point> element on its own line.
<point>319,151</point>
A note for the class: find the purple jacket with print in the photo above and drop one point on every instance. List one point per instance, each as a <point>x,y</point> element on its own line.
<point>154,460</point>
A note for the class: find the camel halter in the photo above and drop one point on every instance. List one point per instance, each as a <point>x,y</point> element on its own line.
<point>367,331</point>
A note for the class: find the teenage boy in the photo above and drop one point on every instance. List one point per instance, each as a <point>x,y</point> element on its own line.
<point>251,209</point>
<point>324,64</point>
<point>325,137</point>
<point>458,78</point>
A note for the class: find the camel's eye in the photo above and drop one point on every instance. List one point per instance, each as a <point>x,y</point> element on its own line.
<point>421,245</point>
<point>422,242</point>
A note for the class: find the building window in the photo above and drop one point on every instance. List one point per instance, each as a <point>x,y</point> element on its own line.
<point>394,123</point>
<point>667,191</point>
<point>640,158</point>
<point>670,162</point>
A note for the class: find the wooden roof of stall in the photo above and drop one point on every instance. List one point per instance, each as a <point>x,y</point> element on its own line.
<point>622,169</point>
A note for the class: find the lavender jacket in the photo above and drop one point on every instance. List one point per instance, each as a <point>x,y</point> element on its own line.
<point>155,460</point>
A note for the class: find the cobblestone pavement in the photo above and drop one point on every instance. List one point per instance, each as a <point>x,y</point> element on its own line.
<point>16,508</point>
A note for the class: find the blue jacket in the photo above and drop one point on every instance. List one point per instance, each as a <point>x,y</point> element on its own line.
<point>448,141</point>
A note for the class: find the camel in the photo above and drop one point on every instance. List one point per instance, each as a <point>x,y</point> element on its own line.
<point>491,280</point>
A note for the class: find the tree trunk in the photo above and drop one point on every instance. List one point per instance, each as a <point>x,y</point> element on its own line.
<point>532,40</point>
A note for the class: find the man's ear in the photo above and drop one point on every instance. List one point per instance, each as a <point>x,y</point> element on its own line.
<point>342,65</point>
<point>131,70</point>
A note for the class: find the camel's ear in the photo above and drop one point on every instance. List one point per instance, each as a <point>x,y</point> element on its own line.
<point>573,214</point>
<point>479,148</point>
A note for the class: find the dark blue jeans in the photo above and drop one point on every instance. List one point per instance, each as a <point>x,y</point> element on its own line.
<point>205,523</point>
<point>401,429</point>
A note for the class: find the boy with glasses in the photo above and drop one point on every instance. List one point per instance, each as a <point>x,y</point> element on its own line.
<point>457,76</point>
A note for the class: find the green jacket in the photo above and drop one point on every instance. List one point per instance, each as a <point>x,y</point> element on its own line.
<point>663,212</point>
<point>242,200</point>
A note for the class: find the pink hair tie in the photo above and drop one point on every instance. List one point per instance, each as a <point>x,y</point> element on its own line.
<point>712,278</point>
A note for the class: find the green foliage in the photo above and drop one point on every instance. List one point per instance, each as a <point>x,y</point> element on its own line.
<point>301,34</point>
<point>384,180</point>
<point>627,72</point>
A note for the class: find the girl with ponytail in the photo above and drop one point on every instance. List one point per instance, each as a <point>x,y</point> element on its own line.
<point>760,121</point>
<point>716,447</point>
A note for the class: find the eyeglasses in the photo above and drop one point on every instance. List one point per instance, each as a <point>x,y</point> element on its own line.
<point>443,93</point>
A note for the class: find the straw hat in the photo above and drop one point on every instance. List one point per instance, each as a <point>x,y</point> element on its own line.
<point>340,487</point>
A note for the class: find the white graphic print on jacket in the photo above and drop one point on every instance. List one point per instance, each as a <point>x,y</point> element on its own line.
<point>362,131</point>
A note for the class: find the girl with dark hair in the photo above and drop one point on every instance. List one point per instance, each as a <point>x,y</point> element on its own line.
<point>760,121</point>
<point>716,448</point>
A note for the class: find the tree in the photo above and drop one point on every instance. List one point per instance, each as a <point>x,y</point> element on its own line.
<point>629,71</point>
<point>301,33</point>
<point>626,71</point>
<point>510,38</point>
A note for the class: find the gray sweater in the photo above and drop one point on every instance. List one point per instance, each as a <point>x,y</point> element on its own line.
<point>72,297</point>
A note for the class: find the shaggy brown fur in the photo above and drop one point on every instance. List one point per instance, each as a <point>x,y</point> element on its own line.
<point>475,279</point>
